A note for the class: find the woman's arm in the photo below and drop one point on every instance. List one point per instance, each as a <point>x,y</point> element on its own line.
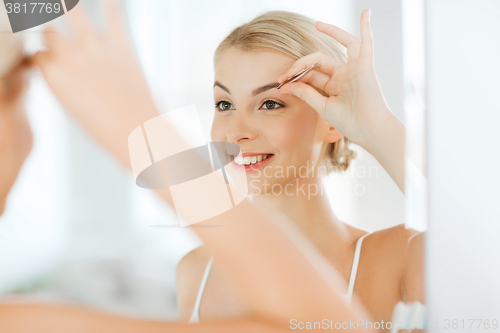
<point>15,133</point>
<point>387,145</point>
<point>38,318</point>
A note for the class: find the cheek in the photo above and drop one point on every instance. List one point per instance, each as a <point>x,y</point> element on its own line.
<point>294,133</point>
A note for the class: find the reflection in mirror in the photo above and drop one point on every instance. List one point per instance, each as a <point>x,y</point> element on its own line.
<point>335,174</point>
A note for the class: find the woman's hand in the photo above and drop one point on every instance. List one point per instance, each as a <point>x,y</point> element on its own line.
<point>354,104</point>
<point>16,138</point>
<point>97,78</point>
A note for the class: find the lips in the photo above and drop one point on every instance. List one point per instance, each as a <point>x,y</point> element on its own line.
<point>251,161</point>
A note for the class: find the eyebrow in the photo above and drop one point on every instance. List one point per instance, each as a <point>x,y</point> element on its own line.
<point>255,92</point>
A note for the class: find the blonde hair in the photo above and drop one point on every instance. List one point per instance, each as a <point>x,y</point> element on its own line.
<point>296,36</point>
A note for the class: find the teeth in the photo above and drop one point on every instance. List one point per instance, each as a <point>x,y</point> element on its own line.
<point>247,160</point>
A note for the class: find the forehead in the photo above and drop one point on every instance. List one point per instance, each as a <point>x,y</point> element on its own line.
<point>236,67</point>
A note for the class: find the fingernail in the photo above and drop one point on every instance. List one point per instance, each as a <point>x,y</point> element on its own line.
<point>286,92</point>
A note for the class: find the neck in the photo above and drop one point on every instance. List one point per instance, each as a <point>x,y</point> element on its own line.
<point>309,209</point>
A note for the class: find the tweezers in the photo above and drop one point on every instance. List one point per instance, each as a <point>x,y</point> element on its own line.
<point>298,75</point>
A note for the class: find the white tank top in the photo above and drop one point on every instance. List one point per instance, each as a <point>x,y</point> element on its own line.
<point>195,316</point>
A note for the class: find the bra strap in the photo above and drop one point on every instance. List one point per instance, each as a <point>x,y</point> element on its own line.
<point>354,269</point>
<point>195,317</point>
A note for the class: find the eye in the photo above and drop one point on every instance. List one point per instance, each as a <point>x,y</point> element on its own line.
<point>223,106</point>
<point>271,105</point>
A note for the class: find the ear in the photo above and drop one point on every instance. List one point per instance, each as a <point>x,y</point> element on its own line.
<point>331,134</point>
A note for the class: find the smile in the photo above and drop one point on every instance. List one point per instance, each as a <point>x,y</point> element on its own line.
<point>247,160</point>
<point>250,162</point>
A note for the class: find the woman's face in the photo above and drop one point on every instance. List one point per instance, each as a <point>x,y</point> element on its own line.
<point>282,130</point>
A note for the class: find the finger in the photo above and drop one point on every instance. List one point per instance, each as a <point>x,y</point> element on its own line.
<point>18,86</point>
<point>328,64</point>
<point>343,37</point>
<point>3,91</point>
<point>309,95</point>
<point>113,20</point>
<point>314,78</point>
<point>26,63</point>
<point>366,51</point>
<point>23,66</point>
<point>79,21</point>
<point>53,39</point>
<point>16,81</point>
<point>41,59</point>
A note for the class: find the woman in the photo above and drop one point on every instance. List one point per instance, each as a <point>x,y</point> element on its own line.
<point>271,265</point>
<point>284,132</point>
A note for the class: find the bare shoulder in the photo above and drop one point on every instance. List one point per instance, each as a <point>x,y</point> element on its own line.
<point>413,282</point>
<point>401,250</point>
<point>394,238</point>
<point>389,247</point>
<point>189,274</point>
<point>193,259</point>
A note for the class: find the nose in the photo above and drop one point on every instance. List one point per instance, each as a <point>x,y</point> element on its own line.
<point>241,128</point>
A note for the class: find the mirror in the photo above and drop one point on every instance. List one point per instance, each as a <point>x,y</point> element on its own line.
<point>102,241</point>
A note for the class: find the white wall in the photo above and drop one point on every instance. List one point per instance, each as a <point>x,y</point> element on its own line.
<point>463,268</point>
